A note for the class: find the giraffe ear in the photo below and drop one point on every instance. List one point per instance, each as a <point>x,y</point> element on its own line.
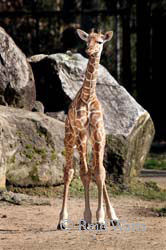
<point>108,36</point>
<point>82,34</point>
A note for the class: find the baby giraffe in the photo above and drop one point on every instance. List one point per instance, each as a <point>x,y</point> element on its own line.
<point>84,121</point>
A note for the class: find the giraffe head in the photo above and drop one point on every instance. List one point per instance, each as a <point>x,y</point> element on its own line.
<point>94,41</point>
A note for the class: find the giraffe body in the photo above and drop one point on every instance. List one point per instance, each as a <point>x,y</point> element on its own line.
<point>85,121</point>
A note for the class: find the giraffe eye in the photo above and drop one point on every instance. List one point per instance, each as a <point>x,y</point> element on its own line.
<point>99,42</point>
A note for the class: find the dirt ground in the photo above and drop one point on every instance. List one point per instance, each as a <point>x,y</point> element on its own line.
<point>161,181</point>
<point>34,227</point>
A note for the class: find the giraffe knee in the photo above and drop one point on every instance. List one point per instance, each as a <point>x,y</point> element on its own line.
<point>100,175</point>
<point>85,176</point>
<point>68,174</point>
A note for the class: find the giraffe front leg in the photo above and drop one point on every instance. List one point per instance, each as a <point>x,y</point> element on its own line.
<point>85,175</point>
<point>98,138</point>
<point>99,172</point>
<point>100,178</point>
<point>68,175</point>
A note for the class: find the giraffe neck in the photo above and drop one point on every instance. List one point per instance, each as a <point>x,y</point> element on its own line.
<point>89,84</point>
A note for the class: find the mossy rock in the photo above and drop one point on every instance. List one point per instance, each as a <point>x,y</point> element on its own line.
<point>125,155</point>
<point>30,148</point>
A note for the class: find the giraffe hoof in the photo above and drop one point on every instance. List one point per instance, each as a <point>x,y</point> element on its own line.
<point>84,226</point>
<point>114,223</point>
<point>100,226</point>
<point>61,227</point>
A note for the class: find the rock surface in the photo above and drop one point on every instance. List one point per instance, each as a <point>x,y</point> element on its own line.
<point>38,107</point>
<point>16,77</point>
<point>22,199</point>
<point>128,126</point>
<point>31,148</point>
<point>61,116</point>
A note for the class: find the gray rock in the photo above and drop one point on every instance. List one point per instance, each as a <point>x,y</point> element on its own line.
<point>2,101</point>
<point>22,199</point>
<point>128,126</point>
<point>16,77</point>
<point>31,148</point>
<point>38,107</point>
<point>61,116</point>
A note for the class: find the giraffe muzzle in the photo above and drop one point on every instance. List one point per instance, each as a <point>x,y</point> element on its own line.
<point>90,52</point>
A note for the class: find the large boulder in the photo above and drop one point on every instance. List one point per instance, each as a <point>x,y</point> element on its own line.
<point>128,126</point>
<point>17,87</point>
<point>31,148</point>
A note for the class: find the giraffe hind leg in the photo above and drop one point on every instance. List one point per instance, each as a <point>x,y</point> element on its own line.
<point>68,175</point>
<point>109,208</point>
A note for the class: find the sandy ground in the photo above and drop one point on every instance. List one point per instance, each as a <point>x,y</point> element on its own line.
<point>34,227</point>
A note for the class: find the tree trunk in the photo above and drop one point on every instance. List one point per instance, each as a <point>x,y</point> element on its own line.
<point>90,21</point>
<point>143,53</point>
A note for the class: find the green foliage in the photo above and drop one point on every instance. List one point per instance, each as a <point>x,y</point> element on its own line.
<point>63,152</point>
<point>42,152</point>
<point>156,161</point>
<point>147,190</point>
<point>160,211</point>
<point>56,191</point>
<point>53,156</point>
<point>34,174</point>
<point>76,188</point>
<point>28,152</point>
<point>32,152</point>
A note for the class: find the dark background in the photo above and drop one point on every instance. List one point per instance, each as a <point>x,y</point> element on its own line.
<point>135,57</point>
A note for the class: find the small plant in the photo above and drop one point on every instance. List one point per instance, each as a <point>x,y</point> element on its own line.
<point>34,174</point>
<point>156,161</point>
<point>160,211</point>
<point>29,147</point>
<point>28,154</point>
<point>151,185</point>
<point>76,187</point>
<point>42,152</point>
<point>53,156</point>
<point>63,152</point>
<point>147,190</point>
